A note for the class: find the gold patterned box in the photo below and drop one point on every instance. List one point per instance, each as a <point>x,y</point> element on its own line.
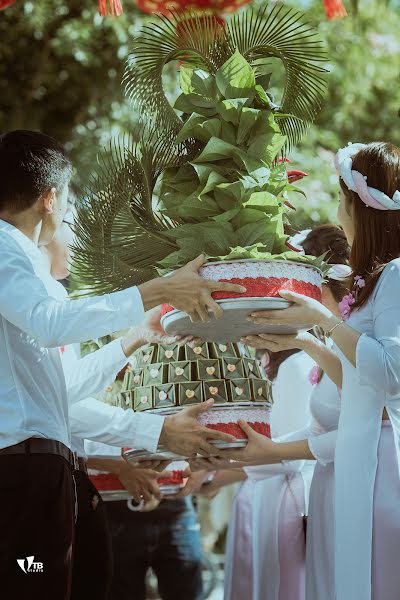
<point>232,368</point>
<point>143,398</point>
<point>251,368</point>
<point>261,390</point>
<point>190,393</point>
<point>208,369</point>
<point>145,356</point>
<point>154,374</point>
<point>132,378</point>
<point>239,390</point>
<point>164,395</point>
<point>199,351</point>
<point>216,390</point>
<point>169,353</point>
<point>180,371</point>
<point>223,350</point>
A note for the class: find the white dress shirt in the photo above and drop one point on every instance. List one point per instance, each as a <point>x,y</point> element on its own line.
<point>35,319</point>
<point>98,421</point>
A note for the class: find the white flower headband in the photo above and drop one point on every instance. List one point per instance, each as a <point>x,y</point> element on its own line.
<point>356,182</point>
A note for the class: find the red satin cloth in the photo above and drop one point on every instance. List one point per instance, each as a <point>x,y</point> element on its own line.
<point>106,481</point>
<point>175,478</point>
<point>263,287</point>
<point>235,430</point>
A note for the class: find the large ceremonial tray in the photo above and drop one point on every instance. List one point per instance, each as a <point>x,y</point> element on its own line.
<point>164,379</point>
<point>263,280</point>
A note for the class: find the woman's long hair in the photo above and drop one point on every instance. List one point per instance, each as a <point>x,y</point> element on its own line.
<point>329,239</point>
<point>376,232</point>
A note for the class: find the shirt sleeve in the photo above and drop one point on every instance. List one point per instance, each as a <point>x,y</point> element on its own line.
<point>100,422</point>
<point>378,355</point>
<point>323,446</point>
<point>94,372</point>
<point>24,302</point>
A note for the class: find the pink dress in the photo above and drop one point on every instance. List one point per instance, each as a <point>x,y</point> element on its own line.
<point>278,502</point>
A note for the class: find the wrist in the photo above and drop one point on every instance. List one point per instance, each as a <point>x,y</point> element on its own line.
<point>155,292</point>
<point>164,435</point>
<point>134,340</point>
<point>329,321</point>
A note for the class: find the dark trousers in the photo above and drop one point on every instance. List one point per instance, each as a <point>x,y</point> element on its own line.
<point>92,562</point>
<point>37,505</point>
<point>166,539</point>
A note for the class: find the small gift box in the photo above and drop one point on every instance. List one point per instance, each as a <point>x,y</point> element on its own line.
<point>232,368</point>
<point>180,371</point>
<point>125,400</point>
<point>145,356</point>
<point>154,374</point>
<point>239,390</point>
<point>190,393</point>
<point>215,390</point>
<point>143,398</point>
<point>208,369</point>
<point>251,368</point>
<point>132,379</point>
<point>164,395</point>
<point>168,353</point>
<point>223,350</point>
<point>261,390</point>
<point>199,351</point>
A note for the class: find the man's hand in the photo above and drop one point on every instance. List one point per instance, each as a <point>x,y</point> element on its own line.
<point>183,434</point>
<point>140,483</point>
<point>185,290</point>
<point>192,294</point>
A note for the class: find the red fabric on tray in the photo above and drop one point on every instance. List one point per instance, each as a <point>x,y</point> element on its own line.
<point>106,481</point>
<point>235,430</point>
<point>174,479</point>
<point>263,287</point>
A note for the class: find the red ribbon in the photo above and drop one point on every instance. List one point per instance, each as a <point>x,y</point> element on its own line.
<point>106,481</point>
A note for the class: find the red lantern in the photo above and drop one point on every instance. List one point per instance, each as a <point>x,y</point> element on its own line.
<point>6,3</point>
<point>165,7</point>
<point>110,7</point>
<point>334,9</point>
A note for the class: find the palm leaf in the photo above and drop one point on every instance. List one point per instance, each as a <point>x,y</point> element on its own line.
<point>261,34</point>
<point>119,234</point>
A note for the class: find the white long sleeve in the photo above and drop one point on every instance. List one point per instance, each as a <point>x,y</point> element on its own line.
<point>54,322</point>
<point>100,422</point>
<point>91,374</point>
<point>378,354</point>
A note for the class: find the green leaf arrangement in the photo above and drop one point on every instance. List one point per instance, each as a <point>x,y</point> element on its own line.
<point>205,175</point>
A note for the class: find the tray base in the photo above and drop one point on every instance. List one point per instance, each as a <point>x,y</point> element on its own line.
<point>233,324</point>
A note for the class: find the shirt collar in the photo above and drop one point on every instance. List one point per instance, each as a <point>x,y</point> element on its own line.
<point>27,245</point>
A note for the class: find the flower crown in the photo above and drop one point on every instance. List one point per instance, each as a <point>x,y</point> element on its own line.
<point>356,182</point>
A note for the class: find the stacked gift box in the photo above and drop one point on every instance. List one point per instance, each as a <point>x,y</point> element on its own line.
<point>162,376</point>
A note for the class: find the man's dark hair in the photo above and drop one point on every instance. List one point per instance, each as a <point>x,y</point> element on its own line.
<point>31,164</point>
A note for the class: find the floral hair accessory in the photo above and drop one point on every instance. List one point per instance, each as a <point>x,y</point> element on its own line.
<point>347,301</point>
<point>356,182</point>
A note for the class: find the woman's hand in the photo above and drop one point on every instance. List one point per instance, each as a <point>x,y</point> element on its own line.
<point>276,342</point>
<point>260,449</point>
<point>304,312</point>
<point>140,483</point>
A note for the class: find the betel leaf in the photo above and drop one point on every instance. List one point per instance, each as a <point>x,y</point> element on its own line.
<point>253,233</point>
<point>227,215</point>
<point>189,127</point>
<point>190,103</point>
<point>229,110</point>
<point>248,118</point>
<point>236,78</point>
<point>216,149</point>
<point>196,81</point>
<point>229,195</point>
<point>212,238</point>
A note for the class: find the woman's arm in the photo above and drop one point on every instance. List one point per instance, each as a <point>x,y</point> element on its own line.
<point>323,356</point>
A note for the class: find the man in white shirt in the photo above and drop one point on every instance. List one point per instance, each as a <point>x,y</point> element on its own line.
<point>36,485</point>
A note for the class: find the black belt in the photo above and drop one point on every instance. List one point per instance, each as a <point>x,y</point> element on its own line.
<point>43,446</point>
